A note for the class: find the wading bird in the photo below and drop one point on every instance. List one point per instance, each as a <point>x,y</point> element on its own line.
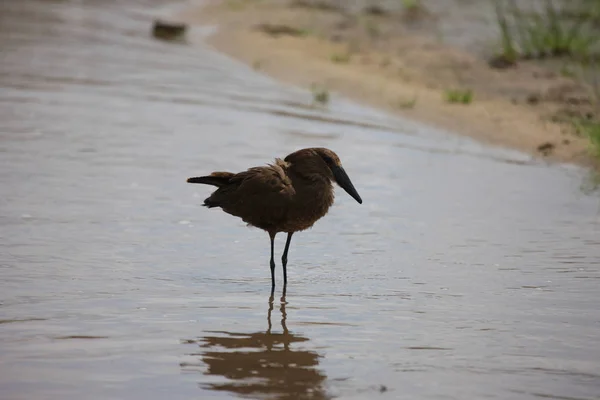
<point>287,196</point>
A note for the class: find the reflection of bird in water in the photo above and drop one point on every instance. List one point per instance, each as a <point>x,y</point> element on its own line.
<point>262,363</point>
<point>287,196</point>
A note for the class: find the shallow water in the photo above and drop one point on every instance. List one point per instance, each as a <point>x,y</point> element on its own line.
<point>467,272</point>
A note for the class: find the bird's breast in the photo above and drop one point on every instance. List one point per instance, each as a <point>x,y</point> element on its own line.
<point>309,205</point>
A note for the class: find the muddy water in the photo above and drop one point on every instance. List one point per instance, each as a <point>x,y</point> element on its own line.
<point>467,273</point>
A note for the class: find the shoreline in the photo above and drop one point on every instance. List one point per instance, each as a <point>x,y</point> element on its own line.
<point>273,39</point>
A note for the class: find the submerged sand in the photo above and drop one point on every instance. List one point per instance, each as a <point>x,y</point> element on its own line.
<point>374,58</point>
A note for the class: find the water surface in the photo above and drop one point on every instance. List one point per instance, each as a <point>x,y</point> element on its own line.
<point>467,273</point>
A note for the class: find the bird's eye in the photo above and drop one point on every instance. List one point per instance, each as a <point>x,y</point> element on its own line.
<point>328,160</point>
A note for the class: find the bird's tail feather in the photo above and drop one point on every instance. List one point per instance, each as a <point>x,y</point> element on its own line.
<point>210,203</point>
<point>217,179</point>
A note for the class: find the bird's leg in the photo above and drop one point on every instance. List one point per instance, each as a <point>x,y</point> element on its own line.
<point>269,314</point>
<point>284,258</point>
<point>272,236</point>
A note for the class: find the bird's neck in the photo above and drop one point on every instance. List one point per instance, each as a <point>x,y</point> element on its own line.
<point>312,187</point>
<point>308,178</point>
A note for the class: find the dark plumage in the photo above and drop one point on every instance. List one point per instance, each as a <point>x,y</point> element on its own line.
<point>289,195</point>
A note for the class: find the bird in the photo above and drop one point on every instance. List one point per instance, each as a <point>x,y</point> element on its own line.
<point>287,196</point>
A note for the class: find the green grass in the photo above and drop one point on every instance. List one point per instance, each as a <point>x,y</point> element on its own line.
<point>459,96</point>
<point>584,10</point>
<point>321,5</point>
<point>408,104</point>
<point>549,32</point>
<point>341,58</point>
<point>590,127</point>
<point>508,51</point>
<point>411,4</point>
<point>283,30</point>
<point>236,4</point>
<point>320,94</point>
<point>593,133</point>
<point>591,130</point>
<point>566,30</point>
<point>306,32</point>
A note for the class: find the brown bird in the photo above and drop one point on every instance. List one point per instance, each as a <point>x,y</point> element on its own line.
<point>287,196</point>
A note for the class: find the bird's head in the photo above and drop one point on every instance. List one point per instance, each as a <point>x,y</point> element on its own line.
<point>323,162</point>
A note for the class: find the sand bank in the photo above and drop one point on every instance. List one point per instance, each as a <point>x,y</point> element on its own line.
<point>372,58</point>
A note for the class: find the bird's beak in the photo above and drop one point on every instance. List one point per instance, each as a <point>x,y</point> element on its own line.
<point>344,181</point>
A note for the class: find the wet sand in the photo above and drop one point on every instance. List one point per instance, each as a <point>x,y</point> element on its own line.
<point>405,70</point>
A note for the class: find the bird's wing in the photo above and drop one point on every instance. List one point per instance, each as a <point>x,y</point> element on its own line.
<point>259,195</point>
<point>265,184</point>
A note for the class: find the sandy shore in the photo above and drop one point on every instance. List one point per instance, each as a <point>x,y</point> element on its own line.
<point>377,63</point>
